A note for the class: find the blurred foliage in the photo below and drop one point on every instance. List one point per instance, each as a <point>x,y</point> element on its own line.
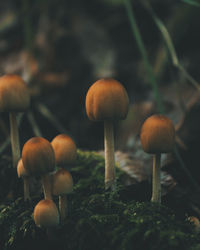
<point>192,2</point>
<point>97,219</point>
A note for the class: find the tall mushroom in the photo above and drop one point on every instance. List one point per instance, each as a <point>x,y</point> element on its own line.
<point>14,98</point>
<point>106,101</point>
<point>157,136</point>
<point>62,185</point>
<point>65,150</point>
<point>39,159</point>
<point>24,174</point>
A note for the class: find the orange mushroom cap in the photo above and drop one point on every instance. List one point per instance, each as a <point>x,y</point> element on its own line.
<point>21,171</point>
<point>65,150</point>
<point>107,99</point>
<point>14,94</point>
<point>157,134</point>
<point>46,214</point>
<point>62,182</point>
<point>38,156</point>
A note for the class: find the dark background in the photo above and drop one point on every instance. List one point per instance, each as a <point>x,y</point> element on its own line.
<point>61,47</point>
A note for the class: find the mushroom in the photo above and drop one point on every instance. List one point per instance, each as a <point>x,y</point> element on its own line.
<point>107,100</point>
<point>46,214</point>
<point>62,185</point>
<point>23,173</point>
<point>157,136</point>
<point>39,160</point>
<point>65,150</point>
<point>14,97</point>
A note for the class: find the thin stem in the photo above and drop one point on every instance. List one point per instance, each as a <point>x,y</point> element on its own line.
<point>156,185</point>
<point>14,137</point>
<point>170,45</point>
<point>51,117</point>
<point>47,186</point>
<point>26,189</point>
<point>143,52</point>
<point>192,181</point>
<point>109,155</point>
<point>28,34</point>
<point>63,207</point>
<point>34,124</point>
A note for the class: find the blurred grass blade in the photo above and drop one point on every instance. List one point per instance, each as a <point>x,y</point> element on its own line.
<point>170,46</point>
<point>192,2</point>
<point>34,125</point>
<point>143,52</point>
<point>192,181</point>
<point>51,117</point>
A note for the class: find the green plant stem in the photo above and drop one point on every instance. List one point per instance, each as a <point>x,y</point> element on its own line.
<point>28,34</point>
<point>51,117</point>
<point>170,45</point>
<point>156,185</point>
<point>192,2</point>
<point>34,124</point>
<point>143,52</point>
<point>192,181</point>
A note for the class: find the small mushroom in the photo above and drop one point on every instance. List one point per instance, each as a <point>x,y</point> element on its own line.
<point>65,150</point>
<point>62,185</point>
<point>157,136</point>
<point>23,173</point>
<point>39,160</point>
<point>107,101</point>
<point>46,214</point>
<point>14,98</point>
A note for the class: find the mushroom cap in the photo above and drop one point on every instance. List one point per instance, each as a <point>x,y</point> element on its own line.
<point>14,94</point>
<point>107,99</point>
<point>62,182</point>
<point>46,214</point>
<point>21,171</point>
<point>38,156</point>
<point>157,134</point>
<point>65,150</point>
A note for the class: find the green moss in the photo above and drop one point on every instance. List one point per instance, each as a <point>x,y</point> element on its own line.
<point>97,219</point>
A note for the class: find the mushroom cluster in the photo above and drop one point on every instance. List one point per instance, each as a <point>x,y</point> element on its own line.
<point>39,160</point>
<point>106,101</point>
<point>48,161</point>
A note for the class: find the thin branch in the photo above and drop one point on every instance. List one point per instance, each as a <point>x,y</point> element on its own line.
<point>143,52</point>
<point>34,124</point>
<point>50,116</point>
<point>170,45</point>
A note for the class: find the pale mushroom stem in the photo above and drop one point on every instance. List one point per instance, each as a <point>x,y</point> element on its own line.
<point>156,185</point>
<point>14,137</point>
<point>47,186</point>
<point>63,207</point>
<point>26,189</point>
<point>109,155</point>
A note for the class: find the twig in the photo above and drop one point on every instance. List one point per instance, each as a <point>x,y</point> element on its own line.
<point>50,116</point>
<point>34,124</point>
<point>143,52</point>
<point>192,181</point>
<point>170,46</point>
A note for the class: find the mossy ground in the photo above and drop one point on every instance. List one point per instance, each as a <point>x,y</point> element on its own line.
<point>97,219</point>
